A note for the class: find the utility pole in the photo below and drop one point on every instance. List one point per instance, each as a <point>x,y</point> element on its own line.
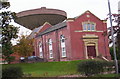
<point>113,39</point>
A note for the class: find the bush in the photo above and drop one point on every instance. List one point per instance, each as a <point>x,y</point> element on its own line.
<point>119,66</point>
<point>14,72</point>
<point>90,67</point>
<point>108,66</point>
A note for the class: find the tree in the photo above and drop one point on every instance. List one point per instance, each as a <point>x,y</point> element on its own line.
<point>112,54</point>
<point>24,47</point>
<point>116,34</point>
<point>9,32</point>
<point>4,4</point>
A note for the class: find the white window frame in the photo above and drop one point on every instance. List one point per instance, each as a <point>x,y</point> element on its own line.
<point>50,48</point>
<point>40,50</point>
<point>85,27</point>
<point>63,52</point>
<point>91,25</point>
<point>88,27</point>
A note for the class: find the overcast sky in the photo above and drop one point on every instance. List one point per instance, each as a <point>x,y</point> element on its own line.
<point>72,7</point>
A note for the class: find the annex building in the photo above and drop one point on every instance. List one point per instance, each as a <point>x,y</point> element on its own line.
<point>82,37</point>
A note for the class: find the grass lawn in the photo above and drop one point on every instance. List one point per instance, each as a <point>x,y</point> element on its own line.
<point>48,69</point>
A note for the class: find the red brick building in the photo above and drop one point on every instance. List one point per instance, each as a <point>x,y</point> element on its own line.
<point>82,37</point>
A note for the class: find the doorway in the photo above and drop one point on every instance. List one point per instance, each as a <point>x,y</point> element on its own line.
<point>91,51</point>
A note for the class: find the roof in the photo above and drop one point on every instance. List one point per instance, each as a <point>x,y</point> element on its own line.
<point>53,28</point>
<point>85,12</point>
<point>36,30</point>
<point>61,25</point>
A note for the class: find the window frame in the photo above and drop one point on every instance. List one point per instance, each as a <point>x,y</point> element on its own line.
<point>62,43</point>
<point>40,50</point>
<point>50,48</point>
<point>91,25</point>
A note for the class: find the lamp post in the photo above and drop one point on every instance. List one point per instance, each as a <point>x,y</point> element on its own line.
<point>113,39</point>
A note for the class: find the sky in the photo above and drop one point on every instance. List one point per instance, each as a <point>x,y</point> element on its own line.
<point>73,8</point>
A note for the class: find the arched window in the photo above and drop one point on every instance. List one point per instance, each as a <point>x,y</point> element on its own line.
<point>50,48</point>
<point>63,47</point>
<point>40,50</point>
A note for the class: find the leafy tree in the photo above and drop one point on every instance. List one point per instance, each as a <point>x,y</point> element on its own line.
<point>24,47</point>
<point>116,33</point>
<point>9,32</point>
<point>112,54</point>
<point>118,41</point>
<point>4,4</point>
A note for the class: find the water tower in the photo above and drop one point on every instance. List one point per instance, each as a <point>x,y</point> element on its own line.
<point>119,7</point>
<point>37,17</point>
<point>119,13</point>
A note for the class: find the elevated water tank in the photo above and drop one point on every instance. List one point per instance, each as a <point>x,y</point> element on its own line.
<point>119,7</point>
<point>37,17</point>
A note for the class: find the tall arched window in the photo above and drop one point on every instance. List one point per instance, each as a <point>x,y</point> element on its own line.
<point>40,50</point>
<point>63,48</point>
<point>50,48</point>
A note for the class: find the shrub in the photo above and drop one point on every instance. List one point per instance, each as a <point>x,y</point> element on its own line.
<point>108,66</point>
<point>14,72</point>
<point>90,67</point>
<point>119,66</point>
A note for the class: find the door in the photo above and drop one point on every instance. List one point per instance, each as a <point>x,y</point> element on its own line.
<point>91,51</point>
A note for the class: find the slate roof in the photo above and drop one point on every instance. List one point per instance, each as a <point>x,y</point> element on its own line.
<point>32,35</point>
<point>53,28</point>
